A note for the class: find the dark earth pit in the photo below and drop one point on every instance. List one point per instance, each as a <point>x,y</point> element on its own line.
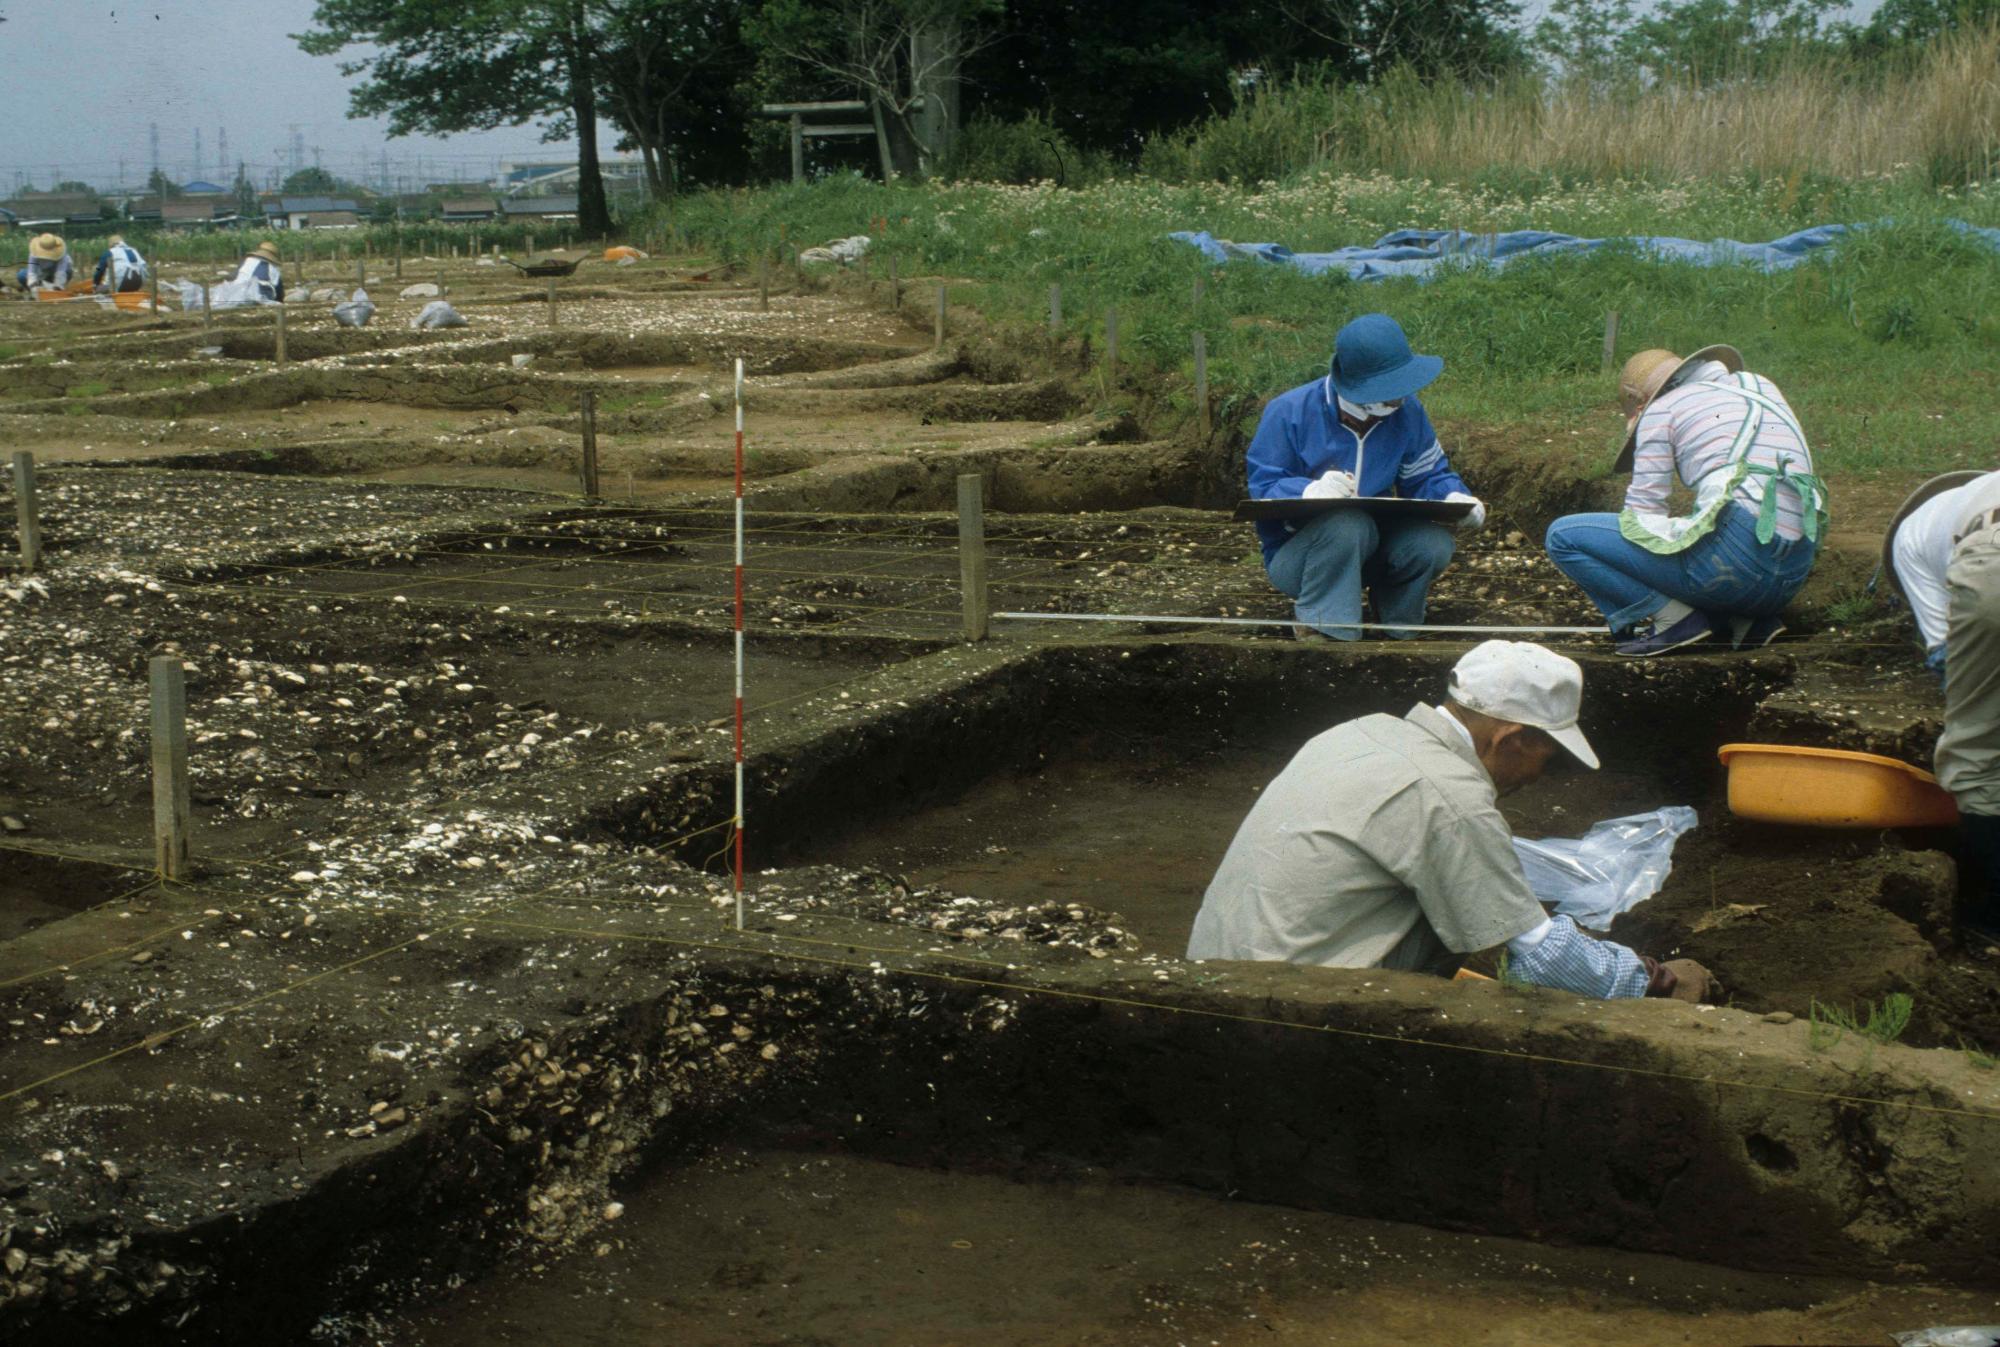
<point>762,1248</point>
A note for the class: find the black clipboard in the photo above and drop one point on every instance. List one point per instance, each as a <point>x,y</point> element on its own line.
<point>1386,507</point>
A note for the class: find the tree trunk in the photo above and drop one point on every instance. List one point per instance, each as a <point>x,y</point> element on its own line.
<point>882,147</point>
<point>593,213</point>
<point>937,54</point>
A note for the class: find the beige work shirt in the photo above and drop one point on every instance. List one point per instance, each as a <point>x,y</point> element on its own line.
<point>1380,844</point>
<point>1968,752</point>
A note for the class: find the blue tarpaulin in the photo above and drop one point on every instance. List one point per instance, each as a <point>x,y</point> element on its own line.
<point>1421,252</point>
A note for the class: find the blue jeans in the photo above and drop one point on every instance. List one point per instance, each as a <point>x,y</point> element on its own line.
<point>1324,565</point>
<point>1727,574</point>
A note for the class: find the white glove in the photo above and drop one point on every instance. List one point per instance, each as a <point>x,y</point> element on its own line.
<point>1331,485</point>
<point>1477,519</point>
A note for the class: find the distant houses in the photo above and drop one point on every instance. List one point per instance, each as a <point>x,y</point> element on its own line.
<point>525,208</point>
<point>312,212</point>
<point>202,212</point>
<point>56,211</point>
<point>183,212</point>
<point>468,209</point>
<point>203,206</point>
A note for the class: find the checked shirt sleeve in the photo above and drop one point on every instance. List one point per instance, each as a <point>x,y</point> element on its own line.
<point>1568,960</point>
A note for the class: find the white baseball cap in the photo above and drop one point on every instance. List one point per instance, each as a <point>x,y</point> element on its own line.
<point>1526,684</point>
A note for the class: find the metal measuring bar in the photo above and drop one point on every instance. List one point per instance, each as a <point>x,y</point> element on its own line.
<point>1295,622</point>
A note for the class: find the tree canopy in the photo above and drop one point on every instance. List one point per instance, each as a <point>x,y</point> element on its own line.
<point>313,181</point>
<point>440,66</point>
<point>680,80</point>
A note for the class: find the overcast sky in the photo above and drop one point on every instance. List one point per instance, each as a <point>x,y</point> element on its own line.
<point>84,79</point>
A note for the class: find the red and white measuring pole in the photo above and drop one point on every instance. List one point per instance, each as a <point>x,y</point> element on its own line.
<point>739,645</point>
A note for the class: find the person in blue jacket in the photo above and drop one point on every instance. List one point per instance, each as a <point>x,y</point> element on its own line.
<point>1359,431</point>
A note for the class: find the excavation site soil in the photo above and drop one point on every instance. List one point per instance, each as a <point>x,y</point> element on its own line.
<point>456,1030</point>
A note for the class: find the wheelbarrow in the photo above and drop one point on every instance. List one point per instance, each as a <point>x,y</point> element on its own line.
<point>548,266</point>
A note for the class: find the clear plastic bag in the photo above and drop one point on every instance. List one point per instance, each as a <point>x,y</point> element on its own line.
<point>1614,867</point>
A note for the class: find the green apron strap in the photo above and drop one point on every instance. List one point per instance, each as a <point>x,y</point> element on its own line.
<point>1767,510</point>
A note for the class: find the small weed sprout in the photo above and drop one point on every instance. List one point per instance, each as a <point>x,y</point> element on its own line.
<point>1852,604</point>
<point>1878,1023</point>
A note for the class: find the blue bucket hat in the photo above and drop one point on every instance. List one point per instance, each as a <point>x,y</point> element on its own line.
<point>1372,361</point>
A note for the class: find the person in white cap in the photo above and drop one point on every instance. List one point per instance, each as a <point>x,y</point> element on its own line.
<point>1381,844</point>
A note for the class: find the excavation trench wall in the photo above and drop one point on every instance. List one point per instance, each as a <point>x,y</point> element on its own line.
<point>945,721</point>
<point>1650,1126</point>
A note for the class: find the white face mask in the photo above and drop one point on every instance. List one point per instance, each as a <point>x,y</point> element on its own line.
<point>1370,411</point>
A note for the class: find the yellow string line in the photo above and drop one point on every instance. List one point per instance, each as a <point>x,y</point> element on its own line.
<point>162,1036</point>
<point>153,1040</point>
<point>1134,1003</point>
<point>552,589</point>
<point>86,959</point>
<point>197,922</point>
<point>912,609</point>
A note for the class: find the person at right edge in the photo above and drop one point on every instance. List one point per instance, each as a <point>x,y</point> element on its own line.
<point>1726,570</point>
<point>1942,556</point>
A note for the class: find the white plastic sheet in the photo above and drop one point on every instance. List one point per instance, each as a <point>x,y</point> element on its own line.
<point>240,294</point>
<point>437,314</point>
<point>356,311</point>
<point>1612,868</point>
<point>1958,1335</point>
<point>841,252</point>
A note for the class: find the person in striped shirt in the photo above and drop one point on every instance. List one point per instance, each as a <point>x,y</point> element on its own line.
<point>1724,570</point>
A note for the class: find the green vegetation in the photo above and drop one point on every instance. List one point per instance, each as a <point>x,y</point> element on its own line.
<point>1850,604</point>
<point>1930,115</point>
<point>1887,343</point>
<point>1882,1023</point>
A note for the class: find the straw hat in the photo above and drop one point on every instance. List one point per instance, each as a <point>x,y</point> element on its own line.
<point>1651,373</point>
<point>46,248</point>
<point>1943,482</point>
<point>266,250</point>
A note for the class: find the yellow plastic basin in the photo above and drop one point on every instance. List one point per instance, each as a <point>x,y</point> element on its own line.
<point>1832,788</point>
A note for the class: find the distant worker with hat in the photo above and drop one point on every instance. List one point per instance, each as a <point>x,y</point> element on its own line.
<point>1942,556</point>
<point>260,275</point>
<point>1382,845</point>
<point>1358,432</point>
<point>48,266</point>
<point>1726,569</point>
<point>120,270</point>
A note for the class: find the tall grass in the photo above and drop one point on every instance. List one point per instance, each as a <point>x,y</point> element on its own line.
<point>1936,115</point>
